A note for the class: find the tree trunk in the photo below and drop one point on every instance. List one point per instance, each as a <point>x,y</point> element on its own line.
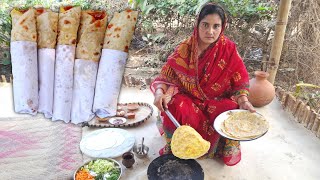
<point>277,42</point>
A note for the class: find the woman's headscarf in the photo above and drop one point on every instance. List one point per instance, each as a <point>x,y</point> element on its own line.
<point>182,67</point>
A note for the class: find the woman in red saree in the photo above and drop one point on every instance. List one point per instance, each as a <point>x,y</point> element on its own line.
<point>204,77</point>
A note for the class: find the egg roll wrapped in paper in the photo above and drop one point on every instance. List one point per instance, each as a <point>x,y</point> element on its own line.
<point>23,50</point>
<point>47,27</point>
<point>69,19</point>
<point>88,52</point>
<point>112,63</point>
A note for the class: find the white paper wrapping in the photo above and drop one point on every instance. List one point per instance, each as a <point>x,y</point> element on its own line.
<point>85,74</point>
<point>111,68</point>
<point>25,76</point>
<point>46,59</point>
<point>63,83</point>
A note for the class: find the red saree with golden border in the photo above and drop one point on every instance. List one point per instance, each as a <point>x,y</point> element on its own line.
<point>204,88</point>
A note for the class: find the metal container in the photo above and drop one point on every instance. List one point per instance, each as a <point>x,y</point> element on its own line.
<point>139,151</point>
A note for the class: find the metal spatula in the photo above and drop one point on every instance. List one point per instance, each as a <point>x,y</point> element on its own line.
<point>174,121</point>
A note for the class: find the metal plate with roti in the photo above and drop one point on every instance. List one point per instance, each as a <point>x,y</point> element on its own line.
<point>218,123</point>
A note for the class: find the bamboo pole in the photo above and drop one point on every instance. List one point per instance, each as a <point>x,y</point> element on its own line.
<point>3,79</point>
<point>278,39</point>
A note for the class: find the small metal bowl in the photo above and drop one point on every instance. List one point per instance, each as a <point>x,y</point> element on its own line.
<point>137,149</point>
<point>74,175</point>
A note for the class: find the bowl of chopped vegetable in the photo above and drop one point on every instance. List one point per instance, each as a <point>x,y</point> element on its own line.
<point>99,169</point>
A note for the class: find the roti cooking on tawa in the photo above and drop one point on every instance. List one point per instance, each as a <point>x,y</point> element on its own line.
<point>187,143</point>
<point>244,125</point>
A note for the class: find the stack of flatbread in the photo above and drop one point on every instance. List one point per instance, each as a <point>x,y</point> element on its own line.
<point>244,125</point>
<point>187,143</point>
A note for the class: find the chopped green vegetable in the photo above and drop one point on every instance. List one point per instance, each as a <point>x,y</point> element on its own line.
<point>113,177</point>
<point>99,177</point>
<point>104,169</point>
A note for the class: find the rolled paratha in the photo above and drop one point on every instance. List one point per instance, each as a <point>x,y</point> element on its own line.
<point>23,25</point>
<point>120,30</point>
<point>112,64</point>
<point>47,28</point>
<point>244,125</point>
<point>187,143</point>
<point>90,35</point>
<point>69,20</point>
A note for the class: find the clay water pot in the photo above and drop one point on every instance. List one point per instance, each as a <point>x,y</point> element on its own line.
<point>261,90</point>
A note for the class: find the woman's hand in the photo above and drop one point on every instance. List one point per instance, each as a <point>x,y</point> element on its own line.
<point>244,103</point>
<point>247,106</point>
<point>161,100</point>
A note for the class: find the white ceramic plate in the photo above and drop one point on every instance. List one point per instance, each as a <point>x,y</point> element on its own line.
<point>117,120</point>
<point>107,143</point>
<point>223,116</point>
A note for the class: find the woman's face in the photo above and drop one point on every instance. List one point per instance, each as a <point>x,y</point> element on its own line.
<point>210,28</point>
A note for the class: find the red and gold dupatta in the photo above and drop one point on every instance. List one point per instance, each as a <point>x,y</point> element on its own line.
<point>218,72</point>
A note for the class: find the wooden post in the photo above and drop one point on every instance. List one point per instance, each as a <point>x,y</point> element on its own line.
<point>3,78</point>
<point>315,126</point>
<point>277,42</point>
<point>312,118</point>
